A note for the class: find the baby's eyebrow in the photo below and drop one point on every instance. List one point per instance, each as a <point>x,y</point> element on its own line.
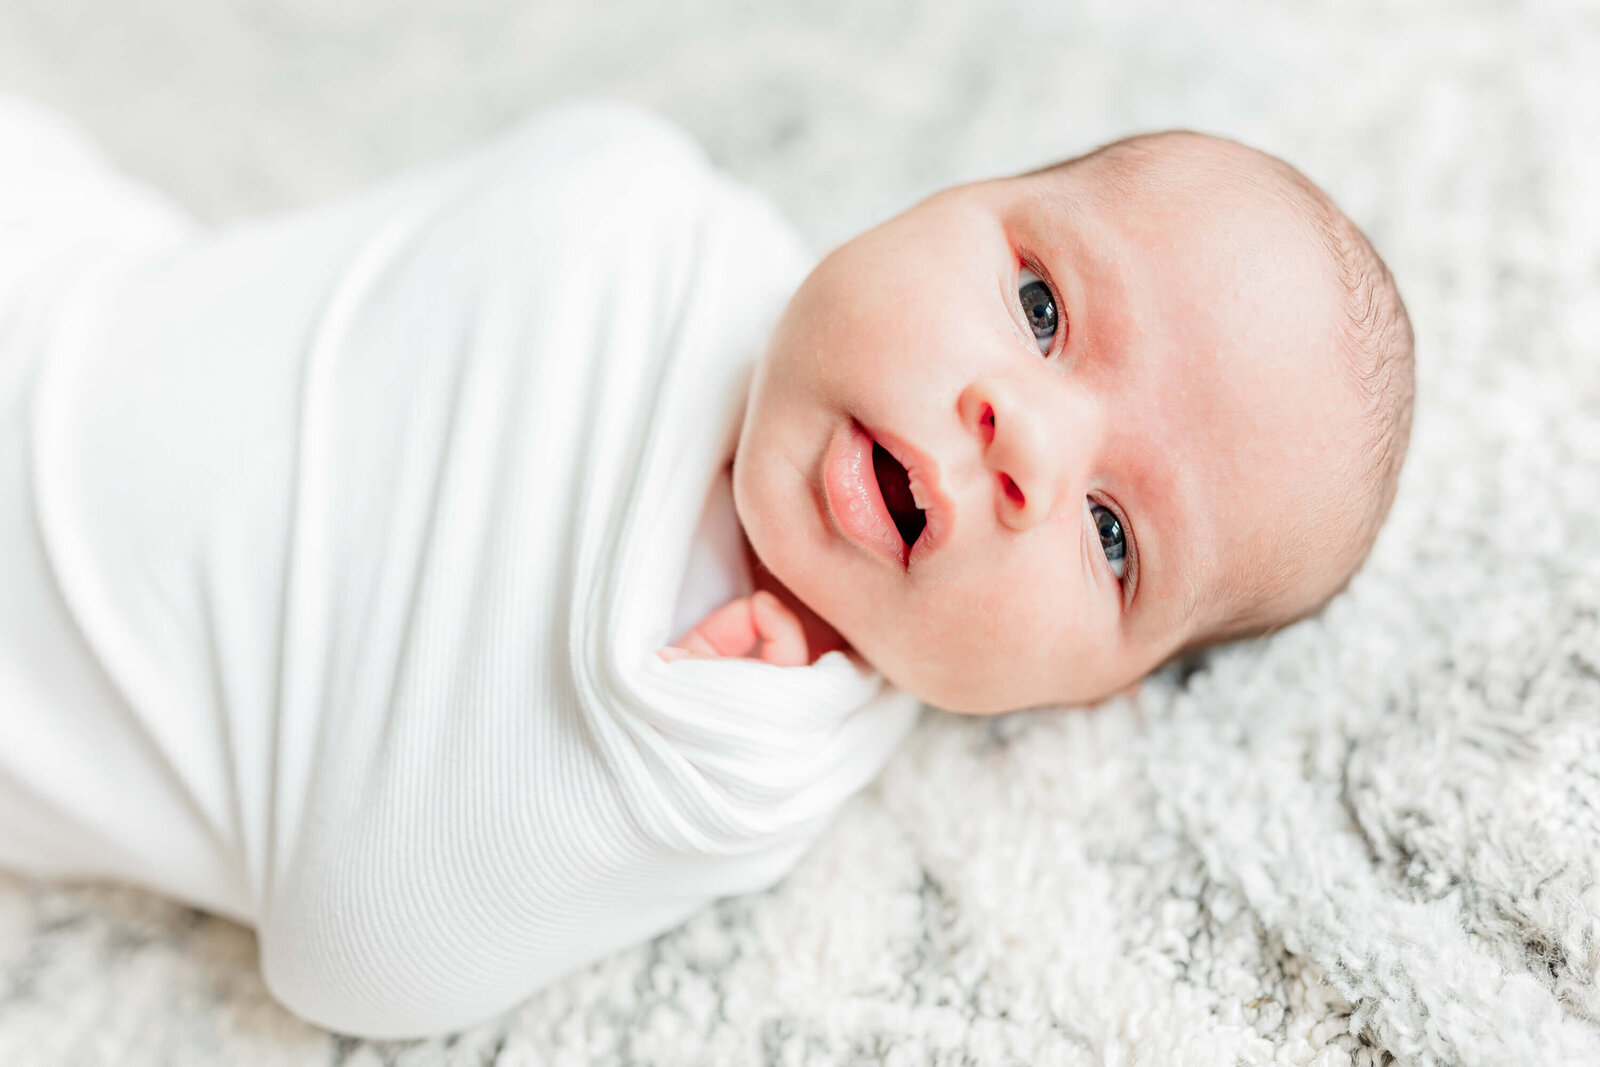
<point>1163,509</point>
<point>1189,595</point>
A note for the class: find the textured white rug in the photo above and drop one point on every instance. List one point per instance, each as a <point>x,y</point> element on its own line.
<point>1371,839</point>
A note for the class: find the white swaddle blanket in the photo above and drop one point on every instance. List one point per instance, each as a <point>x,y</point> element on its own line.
<point>335,550</point>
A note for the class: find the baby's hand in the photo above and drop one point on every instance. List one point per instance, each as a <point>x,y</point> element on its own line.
<point>759,626</point>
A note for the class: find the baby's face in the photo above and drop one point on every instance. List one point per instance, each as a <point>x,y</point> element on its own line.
<point>1005,491</point>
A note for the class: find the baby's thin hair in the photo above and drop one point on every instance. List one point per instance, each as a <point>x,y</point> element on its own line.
<point>1380,345</point>
<point>1377,340</point>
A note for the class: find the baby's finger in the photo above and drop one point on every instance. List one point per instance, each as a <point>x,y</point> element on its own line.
<point>783,639</point>
<point>728,632</point>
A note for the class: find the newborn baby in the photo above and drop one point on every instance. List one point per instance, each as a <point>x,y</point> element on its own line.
<point>1037,435</point>
<point>479,574</point>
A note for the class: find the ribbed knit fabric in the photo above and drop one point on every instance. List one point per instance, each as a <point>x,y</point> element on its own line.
<point>342,543</point>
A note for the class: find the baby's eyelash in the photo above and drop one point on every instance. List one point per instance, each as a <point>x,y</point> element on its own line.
<point>1130,574</point>
<point>1129,580</point>
<point>1063,327</point>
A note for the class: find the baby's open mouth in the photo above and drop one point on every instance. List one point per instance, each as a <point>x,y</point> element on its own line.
<point>895,485</point>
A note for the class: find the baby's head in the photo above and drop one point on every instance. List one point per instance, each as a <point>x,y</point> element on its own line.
<point>1035,436</point>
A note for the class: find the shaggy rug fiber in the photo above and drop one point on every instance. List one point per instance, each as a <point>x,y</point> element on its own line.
<point>1372,838</point>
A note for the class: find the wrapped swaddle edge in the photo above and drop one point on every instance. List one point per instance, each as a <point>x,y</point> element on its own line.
<point>730,755</point>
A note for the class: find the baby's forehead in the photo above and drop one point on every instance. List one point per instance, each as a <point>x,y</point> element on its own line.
<point>1207,260</point>
<point>1190,182</point>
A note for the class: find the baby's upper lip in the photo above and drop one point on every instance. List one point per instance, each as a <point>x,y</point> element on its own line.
<point>926,490</point>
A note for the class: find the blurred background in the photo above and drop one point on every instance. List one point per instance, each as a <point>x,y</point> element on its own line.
<point>982,902</point>
<point>844,110</point>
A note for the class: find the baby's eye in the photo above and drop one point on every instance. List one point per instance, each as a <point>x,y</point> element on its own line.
<point>1039,305</point>
<point>1111,537</point>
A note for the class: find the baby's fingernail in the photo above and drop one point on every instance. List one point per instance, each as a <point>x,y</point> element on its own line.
<point>671,653</point>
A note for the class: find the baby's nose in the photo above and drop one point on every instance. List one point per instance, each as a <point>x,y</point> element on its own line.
<point>1021,450</point>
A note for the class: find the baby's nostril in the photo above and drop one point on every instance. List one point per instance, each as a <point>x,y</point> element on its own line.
<point>1013,492</point>
<point>987,423</point>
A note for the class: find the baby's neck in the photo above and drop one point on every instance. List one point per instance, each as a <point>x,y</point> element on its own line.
<point>820,637</point>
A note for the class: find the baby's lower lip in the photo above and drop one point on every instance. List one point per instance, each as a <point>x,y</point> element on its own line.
<point>854,499</point>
